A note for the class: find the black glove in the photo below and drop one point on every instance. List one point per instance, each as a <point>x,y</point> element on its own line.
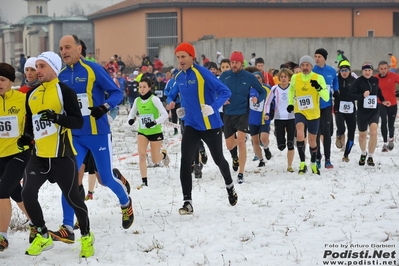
<point>290,108</point>
<point>131,121</point>
<point>48,115</point>
<point>24,141</point>
<point>98,111</point>
<point>315,84</point>
<point>150,124</point>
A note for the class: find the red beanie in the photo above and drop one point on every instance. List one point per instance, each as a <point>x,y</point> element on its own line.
<point>237,56</point>
<point>186,47</point>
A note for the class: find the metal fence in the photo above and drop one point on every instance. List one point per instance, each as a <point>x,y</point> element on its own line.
<point>161,30</point>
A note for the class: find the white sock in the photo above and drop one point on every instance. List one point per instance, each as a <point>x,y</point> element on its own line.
<point>4,234</point>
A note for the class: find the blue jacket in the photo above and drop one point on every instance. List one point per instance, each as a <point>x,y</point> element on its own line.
<point>239,85</point>
<point>90,81</point>
<point>197,85</point>
<point>330,76</point>
<point>171,86</point>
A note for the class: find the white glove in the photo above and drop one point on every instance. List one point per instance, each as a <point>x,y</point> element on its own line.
<point>207,110</point>
<point>181,112</point>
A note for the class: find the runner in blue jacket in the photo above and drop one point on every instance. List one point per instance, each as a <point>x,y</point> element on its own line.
<point>90,81</point>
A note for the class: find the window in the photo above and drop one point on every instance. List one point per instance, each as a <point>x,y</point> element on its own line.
<point>161,30</point>
<point>370,33</point>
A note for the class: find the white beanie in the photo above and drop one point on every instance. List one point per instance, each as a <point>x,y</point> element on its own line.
<point>136,73</point>
<point>52,59</point>
<point>306,59</point>
<point>31,62</point>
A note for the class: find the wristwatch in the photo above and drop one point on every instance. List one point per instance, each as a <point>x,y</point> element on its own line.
<point>107,106</point>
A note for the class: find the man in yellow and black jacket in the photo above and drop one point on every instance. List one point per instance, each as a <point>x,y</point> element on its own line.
<point>52,110</point>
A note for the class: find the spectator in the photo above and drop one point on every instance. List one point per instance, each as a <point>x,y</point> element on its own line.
<point>267,77</point>
<point>168,76</point>
<point>394,65</point>
<point>252,61</point>
<point>146,60</point>
<point>120,64</point>
<point>213,67</point>
<point>132,89</point>
<point>205,61</point>
<point>159,87</point>
<point>149,74</point>
<point>90,58</point>
<point>22,61</point>
<point>158,65</point>
<point>340,56</point>
<point>122,84</point>
<point>112,67</point>
<point>219,57</point>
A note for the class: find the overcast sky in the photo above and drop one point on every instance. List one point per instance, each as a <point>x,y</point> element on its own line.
<point>14,10</point>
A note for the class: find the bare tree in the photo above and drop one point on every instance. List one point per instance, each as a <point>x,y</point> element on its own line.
<point>73,9</point>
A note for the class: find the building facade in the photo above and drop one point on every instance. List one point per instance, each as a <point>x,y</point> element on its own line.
<point>134,27</point>
<point>38,32</point>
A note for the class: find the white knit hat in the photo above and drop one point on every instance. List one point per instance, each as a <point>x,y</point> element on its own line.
<point>52,59</point>
<point>31,62</point>
<point>306,59</point>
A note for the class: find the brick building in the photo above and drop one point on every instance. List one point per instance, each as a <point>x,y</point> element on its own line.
<point>133,27</point>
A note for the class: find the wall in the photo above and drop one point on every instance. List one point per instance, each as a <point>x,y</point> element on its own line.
<point>9,55</point>
<point>276,51</point>
<point>126,32</point>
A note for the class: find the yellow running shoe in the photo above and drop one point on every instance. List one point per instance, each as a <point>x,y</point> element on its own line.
<point>39,244</point>
<point>302,168</point>
<point>315,169</point>
<point>87,246</point>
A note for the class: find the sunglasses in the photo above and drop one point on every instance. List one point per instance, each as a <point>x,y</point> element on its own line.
<point>344,70</point>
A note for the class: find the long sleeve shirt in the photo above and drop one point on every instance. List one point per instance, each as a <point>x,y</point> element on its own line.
<point>90,81</point>
<point>240,84</point>
<point>307,98</point>
<point>360,86</point>
<point>330,76</point>
<point>198,86</point>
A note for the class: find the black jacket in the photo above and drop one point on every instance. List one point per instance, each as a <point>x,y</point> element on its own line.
<point>342,94</point>
<point>361,85</point>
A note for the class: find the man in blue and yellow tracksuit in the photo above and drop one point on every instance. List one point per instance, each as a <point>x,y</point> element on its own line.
<point>202,94</point>
<point>90,81</point>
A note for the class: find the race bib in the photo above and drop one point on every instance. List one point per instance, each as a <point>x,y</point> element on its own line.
<point>305,102</point>
<point>42,129</point>
<point>257,107</point>
<point>346,107</point>
<point>370,102</point>
<point>9,127</point>
<point>159,93</point>
<point>83,101</point>
<point>144,119</point>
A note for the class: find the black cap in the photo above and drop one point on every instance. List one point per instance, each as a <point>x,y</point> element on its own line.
<point>323,52</point>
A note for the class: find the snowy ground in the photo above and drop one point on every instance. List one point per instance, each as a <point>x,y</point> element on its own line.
<point>280,219</point>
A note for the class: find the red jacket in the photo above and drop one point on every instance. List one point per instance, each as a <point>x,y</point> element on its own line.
<point>388,86</point>
<point>158,65</point>
<point>24,89</point>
